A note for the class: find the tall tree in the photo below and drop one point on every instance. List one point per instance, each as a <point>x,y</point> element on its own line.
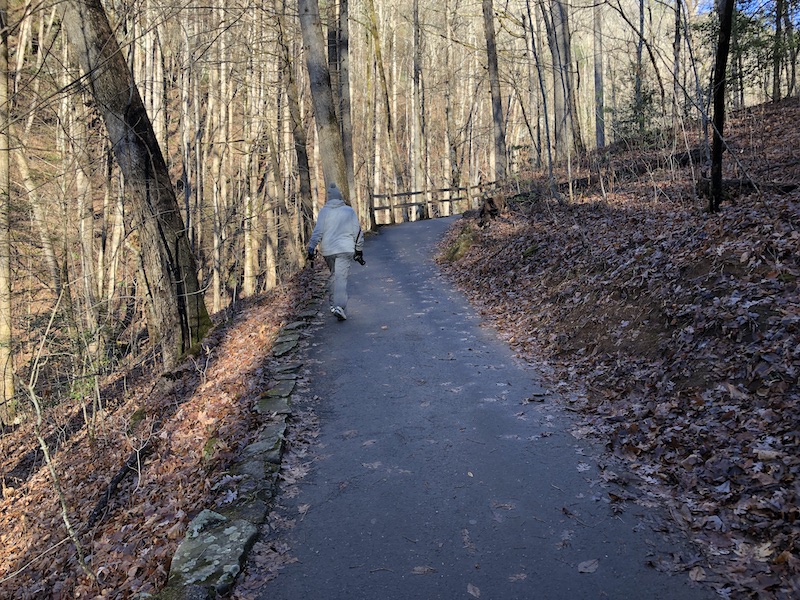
<point>566,131</point>
<point>388,120</point>
<point>298,135</point>
<point>6,354</point>
<point>726,8</point>
<point>334,166</point>
<point>345,114</point>
<point>777,50</point>
<point>540,76</point>
<point>676,71</point>
<point>178,313</point>
<point>599,99</point>
<point>498,122</point>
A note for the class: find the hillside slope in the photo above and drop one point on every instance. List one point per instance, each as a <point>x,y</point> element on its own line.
<point>178,433</point>
<point>675,334</point>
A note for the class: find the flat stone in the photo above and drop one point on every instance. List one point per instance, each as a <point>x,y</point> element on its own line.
<point>253,468</point>
<point>271,437</point>
<point>284,376</point>
<point>295,325</point>
<point>212,553</point>
<point>289,368</point>
<point>253,510</point>
<point>307,315</point>
<point>282,389</point>
<point>283,348</point>
<point>292,336</point>
<point>273,406</point>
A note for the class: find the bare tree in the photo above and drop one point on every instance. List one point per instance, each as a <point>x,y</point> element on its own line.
<point>777,50</point>
<point>7,408</point>
<point>334,166</point>
<point>175,300</point>
<point>498,122</point>
<point>387,110</point>
<point>298,135</point>
<point>726,8</point>
<point>599,101</point>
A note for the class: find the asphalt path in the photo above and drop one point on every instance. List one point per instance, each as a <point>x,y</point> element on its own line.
<point>441,470</point>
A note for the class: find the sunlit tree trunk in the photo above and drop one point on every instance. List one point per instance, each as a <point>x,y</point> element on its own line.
<point>546,117</point>
<point>498,123</point>
<point>298,135</point>
<point>561,138</point>
<point>793,49</point>
<point>638,101</point>
<point>419,142</point>
<point>7,403</point>
<point>449,159</point>
<point>334,167</point>
<point>178,312</point>
<point>187,127</point>
<point>400,180</point>
<point>78,146</point>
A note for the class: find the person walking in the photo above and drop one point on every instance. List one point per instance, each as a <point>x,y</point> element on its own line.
<point>339,236</point>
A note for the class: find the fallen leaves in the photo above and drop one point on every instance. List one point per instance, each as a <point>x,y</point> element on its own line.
<point>589,566</point>
<point>675,335</point>
<point>131,546</point>
<point>423,570</point>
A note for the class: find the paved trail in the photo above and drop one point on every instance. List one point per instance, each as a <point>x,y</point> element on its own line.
<point>433,478</point>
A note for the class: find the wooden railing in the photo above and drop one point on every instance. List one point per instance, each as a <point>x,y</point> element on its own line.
<point>402,207</point>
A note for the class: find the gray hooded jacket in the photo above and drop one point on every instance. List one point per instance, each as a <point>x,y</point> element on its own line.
<point>337,230</point>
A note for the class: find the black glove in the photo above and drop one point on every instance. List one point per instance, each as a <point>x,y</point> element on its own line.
<point>359,257</point>
<point>311,254</point>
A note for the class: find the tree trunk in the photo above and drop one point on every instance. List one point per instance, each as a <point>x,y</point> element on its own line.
<point>718,90</point>
<point>793,43</point>
<point>7,403</point>
<point>548,138</point>
<point>677,95</point>
<point>40,222</point>
<point>178,312</point>
<point>299,137</point>
<point>86,236</point>
<point>450,159</point>
<point>554,25</point>
<point>638,100</point>
<point>777,50</point>
<point>599,103</point>
<point>387,111</point>
<point>343,54</point>
<point>417,159</point>
<point>497,98</point>
<point>334,166</point>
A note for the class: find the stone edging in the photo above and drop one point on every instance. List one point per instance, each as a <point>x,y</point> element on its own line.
<point>217,543</point>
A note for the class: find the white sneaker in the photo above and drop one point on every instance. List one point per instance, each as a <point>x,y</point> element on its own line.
<point>338,312</point>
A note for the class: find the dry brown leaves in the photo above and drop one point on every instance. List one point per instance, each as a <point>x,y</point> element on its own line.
<point>683,331</point>
<point>197,424</point>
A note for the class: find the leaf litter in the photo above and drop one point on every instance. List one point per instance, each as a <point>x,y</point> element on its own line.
<point>674,336</point>
<point>197,421</point>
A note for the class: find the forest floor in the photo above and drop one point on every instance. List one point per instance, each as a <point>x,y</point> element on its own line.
<point>673,333</point>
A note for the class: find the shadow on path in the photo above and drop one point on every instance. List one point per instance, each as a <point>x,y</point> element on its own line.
<point>434,475</point>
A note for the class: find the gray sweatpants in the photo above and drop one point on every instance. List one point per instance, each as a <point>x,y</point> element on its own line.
<point>339,265</point>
